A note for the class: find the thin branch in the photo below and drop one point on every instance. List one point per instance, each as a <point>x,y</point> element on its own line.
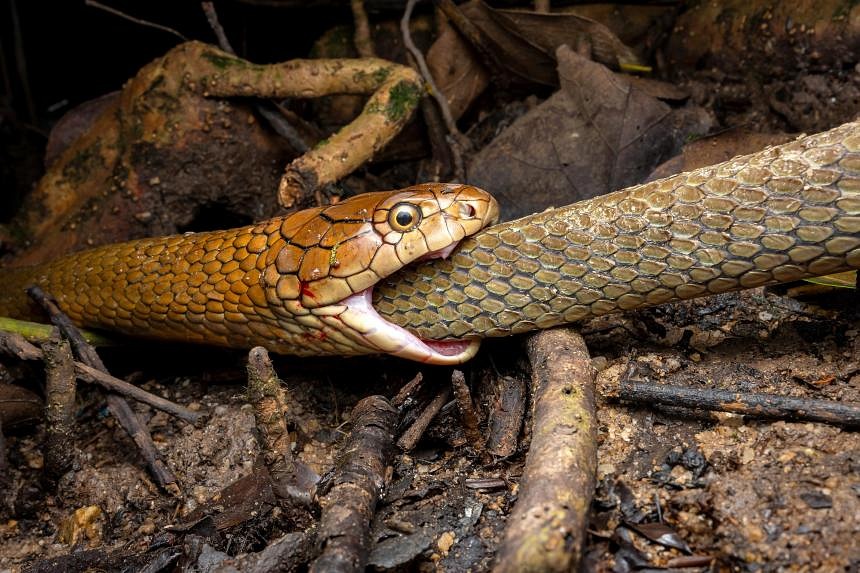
<point>146,23</point>
<point>212,18</point>
<point>457,141</point>
<point>631,389</point>
<point>117,405</point>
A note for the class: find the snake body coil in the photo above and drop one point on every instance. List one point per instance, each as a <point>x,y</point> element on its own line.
<point>782,214</point>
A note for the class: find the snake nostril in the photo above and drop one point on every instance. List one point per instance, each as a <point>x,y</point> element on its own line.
<point>468,211</point>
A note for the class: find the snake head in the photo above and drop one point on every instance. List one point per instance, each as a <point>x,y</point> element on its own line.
<point>332,257</point>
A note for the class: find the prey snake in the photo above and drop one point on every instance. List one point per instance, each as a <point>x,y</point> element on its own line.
<point>302,284</point>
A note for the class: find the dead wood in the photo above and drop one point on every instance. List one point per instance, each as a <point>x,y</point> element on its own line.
<point>117,405</point>
<point>60,450</point>
<point>413,434</point>
<point>16,345</point>
<point>506,415</point>
<point>546,530</point>
<point>174,140</point>
<point>291,479</point>
<point>350,502</point>
<point>633,388</point>
<point>468,414</point>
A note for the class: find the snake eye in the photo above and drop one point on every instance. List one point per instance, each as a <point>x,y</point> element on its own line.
<point>403,217</point>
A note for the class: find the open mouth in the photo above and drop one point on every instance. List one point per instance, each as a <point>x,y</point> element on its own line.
<point>390,338</point>
<point>393,339</point>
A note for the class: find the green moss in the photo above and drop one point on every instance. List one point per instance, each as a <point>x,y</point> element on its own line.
<point>78,169</point>
<point>223,61</point>
<point>380,75</point>
<point>403,98</point>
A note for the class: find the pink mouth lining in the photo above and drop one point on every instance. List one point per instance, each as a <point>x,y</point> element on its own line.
<point>407,344</point>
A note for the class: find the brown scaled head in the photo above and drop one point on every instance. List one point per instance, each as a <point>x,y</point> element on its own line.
<point>348,247</point>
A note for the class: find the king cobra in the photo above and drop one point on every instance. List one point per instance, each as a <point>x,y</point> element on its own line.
<point>299,284</point>
<point>783,214</point>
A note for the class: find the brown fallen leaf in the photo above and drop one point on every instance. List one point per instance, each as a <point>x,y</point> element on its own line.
<point>598,133</point>
<point>523,44</point>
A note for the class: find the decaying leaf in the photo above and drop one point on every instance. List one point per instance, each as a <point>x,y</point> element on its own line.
<point>598,133</point>
<point>523,44</point>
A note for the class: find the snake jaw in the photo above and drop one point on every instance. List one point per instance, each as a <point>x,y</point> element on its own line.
<point>374,331</point>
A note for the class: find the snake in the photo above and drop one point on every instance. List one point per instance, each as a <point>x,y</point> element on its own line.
<point>308,284</point>
<point>299,284</point>
<point>785,213</point>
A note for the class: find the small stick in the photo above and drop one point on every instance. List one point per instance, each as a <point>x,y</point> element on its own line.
<point>547,528</point>
<point>362,40</point>
<point>466,406</point>
<point>37,332</point>
<point>349,505</point>
<point>408,391</point>
<point>270,111</point>
<point>15,345</point>
<point>290,478</point>
<point>59,407</point>
<point>217,28</point>
<point>147,23</point>
<point>117,405</point>
<point>410,437</point>
<point>457,141</point>
<point>751,404</point>
<point>4,468</point>
<point>114,384</point>
<point>506,416</point>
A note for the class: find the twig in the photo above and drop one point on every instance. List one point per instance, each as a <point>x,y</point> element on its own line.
<point>466,406</point>
<point>362,40</point>
<point>506,416</point>
<point>266,393</point>
<point>410,437</point>
<point>271,112</point>
<point>13,344</point>
<point>546,530</point>
<point>408,391</point>
<point>59,407</point>
<point>146,23</point>
<point>114,384</point>
<point>751,404</point>
<point>36,332</point>
<point>217,28</point>
<point>117,405</point>
<point>457,142</point>
<point>348,507</point>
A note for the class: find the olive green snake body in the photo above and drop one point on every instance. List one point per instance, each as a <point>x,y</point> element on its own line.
<point>783,214</point>
<point>301,284</point>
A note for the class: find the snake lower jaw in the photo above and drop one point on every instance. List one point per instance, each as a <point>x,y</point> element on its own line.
<point>373,331</point>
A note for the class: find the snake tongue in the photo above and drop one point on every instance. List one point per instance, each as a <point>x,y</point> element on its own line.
<point>378,333</point>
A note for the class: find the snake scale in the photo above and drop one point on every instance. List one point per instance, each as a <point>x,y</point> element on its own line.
<point>302,284</point>
<point>782,214</point>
